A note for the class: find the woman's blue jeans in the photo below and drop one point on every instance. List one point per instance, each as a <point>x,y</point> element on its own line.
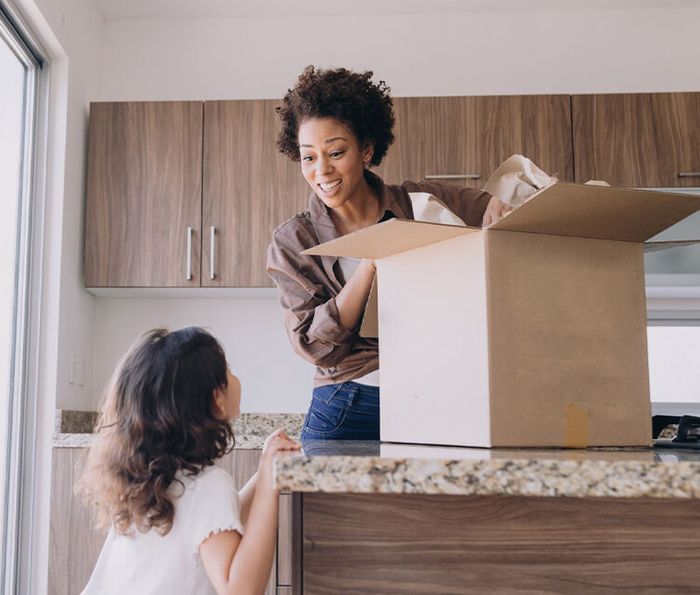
<point>345,411</point>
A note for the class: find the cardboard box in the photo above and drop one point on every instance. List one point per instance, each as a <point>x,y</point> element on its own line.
<point>529,333</point>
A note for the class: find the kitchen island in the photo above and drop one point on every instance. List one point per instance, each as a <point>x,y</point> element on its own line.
<point>389,518</point>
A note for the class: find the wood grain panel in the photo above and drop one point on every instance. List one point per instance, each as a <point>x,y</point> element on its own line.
<point>284,541</point>
<point>642,139</point>
<point>448,544</point>
<point>144,189</point>
<point>392,168</point>
<point>249,189</point>
<point>473,135</point>
<point>297,533</point>
<point>241,463</point>
<point>74,543</point>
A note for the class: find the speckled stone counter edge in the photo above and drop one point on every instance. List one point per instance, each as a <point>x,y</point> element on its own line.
<point>505,477</point>
<point>250,429</point>
<point>69,421</point>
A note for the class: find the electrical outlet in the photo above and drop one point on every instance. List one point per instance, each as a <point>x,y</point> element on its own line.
<point>73,368</point>
<point>81,370</point>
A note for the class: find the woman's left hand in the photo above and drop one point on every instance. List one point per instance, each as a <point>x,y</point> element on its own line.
<point>495,210</point>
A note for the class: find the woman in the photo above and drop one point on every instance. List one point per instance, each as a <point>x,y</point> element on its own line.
<point>338,124</point>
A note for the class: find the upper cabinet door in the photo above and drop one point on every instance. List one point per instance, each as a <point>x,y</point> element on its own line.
<point>641,140</point>
<point>463,139</point>
<point>249,189</point>
<point>144,194</point>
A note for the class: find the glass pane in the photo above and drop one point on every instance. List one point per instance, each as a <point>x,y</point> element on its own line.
<point>683,261</point>
<point>12,75</point>
<point>674,374</point>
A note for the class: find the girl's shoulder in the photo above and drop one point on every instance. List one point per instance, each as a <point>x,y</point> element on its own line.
<point>210,504</point>
<point>210,479</point>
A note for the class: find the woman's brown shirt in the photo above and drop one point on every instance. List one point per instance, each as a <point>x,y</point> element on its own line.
<point>308,285</point>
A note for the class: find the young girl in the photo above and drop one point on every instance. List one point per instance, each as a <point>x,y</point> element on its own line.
<point>178,524</point>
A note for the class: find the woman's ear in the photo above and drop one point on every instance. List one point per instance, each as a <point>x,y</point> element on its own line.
<point>367,154</point>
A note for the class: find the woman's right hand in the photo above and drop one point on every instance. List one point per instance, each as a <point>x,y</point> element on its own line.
<point>495,210</point>
<point>370,264</point>
<point>276,442</point>
<point>352,299</point>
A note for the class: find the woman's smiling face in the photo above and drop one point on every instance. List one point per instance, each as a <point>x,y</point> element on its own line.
<point>332,160</point>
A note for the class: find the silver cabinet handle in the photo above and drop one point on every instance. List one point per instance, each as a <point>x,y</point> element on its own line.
<point>189,253</point>
<point>689,174</point>
<point>452,177</point>
<point>212,252</point>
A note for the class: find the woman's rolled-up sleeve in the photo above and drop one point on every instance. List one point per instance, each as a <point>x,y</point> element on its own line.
<point>311,314</point>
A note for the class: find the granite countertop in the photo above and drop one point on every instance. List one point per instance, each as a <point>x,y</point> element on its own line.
<point>374,467</point>
<point>74,428</point>
<point>384,468</point>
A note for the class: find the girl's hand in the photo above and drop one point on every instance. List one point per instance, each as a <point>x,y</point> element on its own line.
<point>279,435</point>
<point>495,210</point>
<point>276,442</point>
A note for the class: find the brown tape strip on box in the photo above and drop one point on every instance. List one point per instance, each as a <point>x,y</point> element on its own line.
<point>576,427</point>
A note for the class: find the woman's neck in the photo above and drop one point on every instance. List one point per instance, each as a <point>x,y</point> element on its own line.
<point>358,212</point>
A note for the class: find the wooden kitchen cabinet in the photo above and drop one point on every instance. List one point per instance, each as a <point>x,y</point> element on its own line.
<point>435,544</point>
<point>74,544</point>
<point>163,176</point>
<point>638,140</point>
<point>463,139</point>
<point>249,189</point>
<point>185,194</point>
<point>144,194</point>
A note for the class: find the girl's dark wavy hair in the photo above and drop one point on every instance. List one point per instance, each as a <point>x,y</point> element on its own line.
<point>158,418</point>
<point>350,97</point>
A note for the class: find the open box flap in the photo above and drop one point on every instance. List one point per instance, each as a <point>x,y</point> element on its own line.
<point>387,238</point>
<point>601,212</point>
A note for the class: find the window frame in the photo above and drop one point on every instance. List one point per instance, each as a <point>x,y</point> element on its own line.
<point>20,444</point>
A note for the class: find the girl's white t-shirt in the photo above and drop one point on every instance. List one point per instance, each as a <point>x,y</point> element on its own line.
<point>149,564</point>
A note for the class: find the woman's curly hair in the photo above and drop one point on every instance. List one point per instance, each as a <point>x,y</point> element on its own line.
<point>350,97</point>
<point>158,419</point>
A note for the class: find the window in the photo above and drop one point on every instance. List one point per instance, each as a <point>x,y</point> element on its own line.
<point>19,68</point>
<point>674,374</point>
<point>673,314</point>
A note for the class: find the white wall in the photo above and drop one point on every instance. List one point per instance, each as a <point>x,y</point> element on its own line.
<point>429,54</point>
<point>73,31</point>
<point>440,54</point>
<point>81,29</point>
<point>251,331</point>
